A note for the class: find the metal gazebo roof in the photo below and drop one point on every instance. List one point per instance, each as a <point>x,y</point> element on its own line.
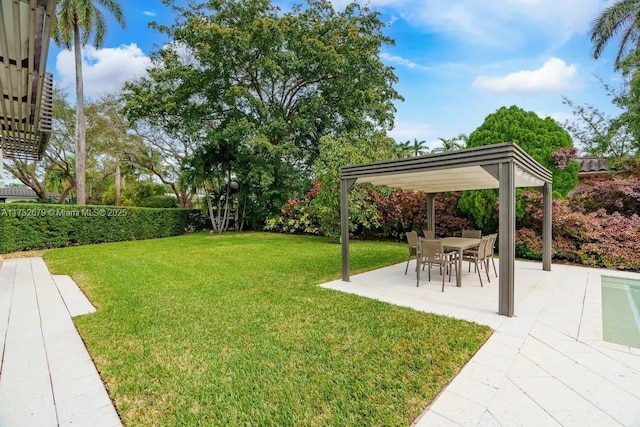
<point>27,91</point>
<point>500,166</point>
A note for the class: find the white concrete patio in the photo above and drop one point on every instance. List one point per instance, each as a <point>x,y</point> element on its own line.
<point>47,377</point>
<point>546,366</point>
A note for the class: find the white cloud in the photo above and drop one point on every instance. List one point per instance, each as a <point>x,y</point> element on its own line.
<point>104,70</point>
<point>149,13</point>
<point>408,130</point>
<point>401,61</point>
<point>495,22</point>
<point>554,76</point>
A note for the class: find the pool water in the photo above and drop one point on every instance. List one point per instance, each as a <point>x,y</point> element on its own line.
<point>621,311</point>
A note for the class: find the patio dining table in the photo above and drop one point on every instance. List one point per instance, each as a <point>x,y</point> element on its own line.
<point>460,244</point>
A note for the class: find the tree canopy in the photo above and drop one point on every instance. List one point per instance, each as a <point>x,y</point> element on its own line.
<point>538,137</point>
<point>622,17</point>
<point>270,83</point>
<point>543,139</point>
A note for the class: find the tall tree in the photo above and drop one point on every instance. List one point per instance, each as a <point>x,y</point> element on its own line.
<point>452,144</point>
<point>622,17</point>
<point>418,147</point>
<point>76,23</point>
<point>402,149</point>
<point>543,139</point>
<point>271,84</point>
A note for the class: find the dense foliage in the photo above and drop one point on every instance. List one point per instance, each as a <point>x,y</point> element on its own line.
<point>375,212</point>
<point>258,88</point>
<point>597,225</point>
<point>613,195</point>
<point>598,238</point>
<point>539,137</point>
<point>543,139</point>
<point>26,226</point>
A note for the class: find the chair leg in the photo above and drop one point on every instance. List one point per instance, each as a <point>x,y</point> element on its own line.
<point>486,268</point>
<point>494,266</point>
<point>407,267</point>
<point>443,276</point>
<point>479,274</point>
<point>417,271</point>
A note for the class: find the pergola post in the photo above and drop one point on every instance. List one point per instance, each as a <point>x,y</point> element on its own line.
<point>431,212</point>
<point>507,230</point>
<point>547,237</point>
<point>345,185</point>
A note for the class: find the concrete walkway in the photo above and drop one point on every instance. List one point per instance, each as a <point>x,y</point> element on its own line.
<point>47,377</point>
<point>547,366</point>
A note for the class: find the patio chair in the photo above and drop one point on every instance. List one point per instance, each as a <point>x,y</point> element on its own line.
<point>429,234</point>
<point>472,234</point>
<point>491,247</point>
<point>479,257</point>
<point>432,253</point>
<point>412,240</point>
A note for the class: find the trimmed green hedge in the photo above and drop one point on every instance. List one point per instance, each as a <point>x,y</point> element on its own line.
<point>27,226</point>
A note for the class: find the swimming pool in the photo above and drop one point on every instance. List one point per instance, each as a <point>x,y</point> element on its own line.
<point>621,311</point>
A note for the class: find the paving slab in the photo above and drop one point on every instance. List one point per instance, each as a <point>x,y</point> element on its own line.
<point>47,377</point>
<point>546,366</point>
<point>76,302</point>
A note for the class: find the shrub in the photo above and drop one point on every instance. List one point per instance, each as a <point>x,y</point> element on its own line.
<point>598,238</point>
<point>405,210</point>
<point>612,195</point>
<point>40,226</point>
<point>528,244</point>
<point>297,216</point>
<point>158,201</point>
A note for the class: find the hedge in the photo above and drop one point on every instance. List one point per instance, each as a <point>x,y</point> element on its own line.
<point>28,226</point>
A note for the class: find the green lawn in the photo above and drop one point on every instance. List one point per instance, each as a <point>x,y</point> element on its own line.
<point>233,330</point>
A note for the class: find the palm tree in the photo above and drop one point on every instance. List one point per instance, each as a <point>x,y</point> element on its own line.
<point>622,17</point>
<point>75,23</point>
<point>418,147</point>
<point>452,144</point>
<point>403,149</point>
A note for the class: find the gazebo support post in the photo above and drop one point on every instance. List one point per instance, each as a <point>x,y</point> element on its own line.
<point>507,229</point>
<point>431,212</point>
<point>547,237</point>
<point>345,185</point>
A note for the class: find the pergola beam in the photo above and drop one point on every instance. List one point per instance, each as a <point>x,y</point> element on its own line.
<point>506,236</point>
<point>26,89</point>
<point>431,212</point>
<point>547,237</point>
<point>345,185</point>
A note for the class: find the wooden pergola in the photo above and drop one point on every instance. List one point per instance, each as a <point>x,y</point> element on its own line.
<point>27,90</point>
<point>500,166</point>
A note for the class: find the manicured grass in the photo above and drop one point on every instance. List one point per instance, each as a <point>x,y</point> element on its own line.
<point>233,330</point>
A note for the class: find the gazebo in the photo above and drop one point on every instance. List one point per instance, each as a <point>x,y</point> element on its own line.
<point>500,166</point>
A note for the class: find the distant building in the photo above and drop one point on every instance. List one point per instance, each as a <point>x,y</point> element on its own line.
<point>21,194</point>
<point>590,167</point>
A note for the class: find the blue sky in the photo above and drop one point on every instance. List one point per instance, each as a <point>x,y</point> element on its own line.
<point>457,60</point>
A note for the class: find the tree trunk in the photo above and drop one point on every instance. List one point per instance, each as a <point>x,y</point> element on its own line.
<point>80,122</point>
<point>117,183</point>
<point>211,215</point>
